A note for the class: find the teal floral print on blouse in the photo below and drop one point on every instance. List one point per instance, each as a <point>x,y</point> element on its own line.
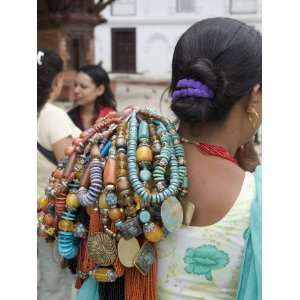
<point>203,260</point>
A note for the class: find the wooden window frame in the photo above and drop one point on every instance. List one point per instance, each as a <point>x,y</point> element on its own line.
<point>113,61</point>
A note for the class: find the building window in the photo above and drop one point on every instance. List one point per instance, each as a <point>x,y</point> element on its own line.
<point>123,50</point>
<point>243,6</point>
<point>185,6</point>
<point>123,8</point>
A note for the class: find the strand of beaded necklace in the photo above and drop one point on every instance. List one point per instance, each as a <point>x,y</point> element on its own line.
<point>213,150</point>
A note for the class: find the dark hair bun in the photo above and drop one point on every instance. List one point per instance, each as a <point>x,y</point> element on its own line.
<point>197,110</point>
<point>222,53</point>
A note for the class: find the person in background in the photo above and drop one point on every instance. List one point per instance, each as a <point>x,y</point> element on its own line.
<point>93,96</point>
<point>55,131</point>
<point>217,97</point>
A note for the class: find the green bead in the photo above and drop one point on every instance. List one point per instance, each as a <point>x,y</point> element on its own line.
<point>143,130</point>
<point>145,175</point>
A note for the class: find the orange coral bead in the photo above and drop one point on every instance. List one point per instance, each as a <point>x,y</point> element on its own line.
<point>144,153</point>
<point>49,219</point>
<point>114,214</point>
<point>58,173</point>
<point>110,174</point>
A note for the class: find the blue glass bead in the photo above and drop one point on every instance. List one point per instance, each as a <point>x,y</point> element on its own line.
<point>144,216</point>
<point>65,233</point>
<point>145,175</point>
<point>104,151</point>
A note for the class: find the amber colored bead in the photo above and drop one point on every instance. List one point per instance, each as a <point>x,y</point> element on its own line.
<point>102,201</point>
<point>122,214</point>
<point>122,156</point>
<point>130,211</point>
<point>101,275</point>
<point>137,200</point>
<point>85,178</point>
<point>122,164</point>
<point>48,219</point>
<point>43,202</point>
<point>69,150</point>
<point>114,214</point>
<point>78,174</point>
<point>110,174</point>
<point>123,183</point>
<point>154,235</point>
<point>122,172</point>
<point>144,153</point>
<point>89,210</point>
<point>72,200</point>
<point>65,225</point>
<point>95,151</point>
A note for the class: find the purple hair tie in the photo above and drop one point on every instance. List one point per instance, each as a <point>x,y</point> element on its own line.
<point>192,88</point>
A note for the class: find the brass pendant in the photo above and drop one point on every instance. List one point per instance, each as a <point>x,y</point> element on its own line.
<point>127,251</point>
<point>102,249</point>
<point>145,258</point>
<point>188,211</point>
<point>172,214</point>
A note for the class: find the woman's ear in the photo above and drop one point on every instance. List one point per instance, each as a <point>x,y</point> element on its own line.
<point>58,80</point>
<point>57,85</point>
<point>100,90</point>
<point>254,99</point>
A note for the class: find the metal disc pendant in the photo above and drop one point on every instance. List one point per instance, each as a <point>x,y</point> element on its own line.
<point>171,214</point>
<point>102,249</point>
<point>127,251</point>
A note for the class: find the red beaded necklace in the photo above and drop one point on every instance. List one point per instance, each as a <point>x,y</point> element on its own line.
<point>212,150</point>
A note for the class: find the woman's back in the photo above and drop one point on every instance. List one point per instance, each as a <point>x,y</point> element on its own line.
<point>204,262</point>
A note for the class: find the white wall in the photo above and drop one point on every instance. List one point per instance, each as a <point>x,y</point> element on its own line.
<point>158,27</point>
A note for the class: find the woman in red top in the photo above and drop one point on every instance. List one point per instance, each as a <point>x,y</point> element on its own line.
<point>93,96</point>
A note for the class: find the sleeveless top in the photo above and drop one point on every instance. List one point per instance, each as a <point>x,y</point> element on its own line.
<point>203,263</point>
<point>53,124</point>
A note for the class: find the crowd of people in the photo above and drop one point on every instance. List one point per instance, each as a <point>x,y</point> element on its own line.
<point>216,90</point>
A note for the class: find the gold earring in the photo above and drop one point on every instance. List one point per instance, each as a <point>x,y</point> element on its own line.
<point>252,120</point>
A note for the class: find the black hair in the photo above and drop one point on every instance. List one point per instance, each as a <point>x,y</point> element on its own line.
<point>100,76</point>
<point>48,66</point>
<point>223,53</point>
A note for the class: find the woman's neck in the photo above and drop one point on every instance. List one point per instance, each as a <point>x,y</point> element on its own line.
<point>88,109</point>
<point>213,134</point>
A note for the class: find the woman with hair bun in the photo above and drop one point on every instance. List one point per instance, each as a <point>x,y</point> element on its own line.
<point>216,96</point>
<point>55,133</point>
